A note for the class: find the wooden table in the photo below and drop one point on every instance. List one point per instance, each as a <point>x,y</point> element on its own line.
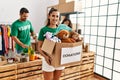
<point>32,70</point>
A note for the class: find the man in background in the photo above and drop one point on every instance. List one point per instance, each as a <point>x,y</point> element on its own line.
<point>21,31</point>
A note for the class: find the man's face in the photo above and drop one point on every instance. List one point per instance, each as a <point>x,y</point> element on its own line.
<point>23,16</point>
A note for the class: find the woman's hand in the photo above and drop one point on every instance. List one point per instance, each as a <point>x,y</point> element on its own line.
<point>45,55</point>
<point>48,59</point>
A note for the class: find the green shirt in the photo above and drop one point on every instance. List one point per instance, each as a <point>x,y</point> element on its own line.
<point>45,29</point>
<point>22,29</point>
<point>63,27</point>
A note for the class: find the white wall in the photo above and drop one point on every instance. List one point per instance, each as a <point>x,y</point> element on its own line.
<point>9,11</point>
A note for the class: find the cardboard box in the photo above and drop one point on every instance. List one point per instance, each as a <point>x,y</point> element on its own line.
<point>62,1</point>
<point>70,7</point>
<point>66,6</point>
<point>86,47</point>
<point>55,6</point>
<point>69,1</point>
<point>63,53</point>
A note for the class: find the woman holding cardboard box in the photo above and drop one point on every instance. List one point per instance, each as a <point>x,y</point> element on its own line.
<point>50,72</point>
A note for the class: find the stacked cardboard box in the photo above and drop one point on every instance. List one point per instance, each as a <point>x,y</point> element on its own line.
<point>72,6</point>
<point>66,6</point>
<point>62,1</point>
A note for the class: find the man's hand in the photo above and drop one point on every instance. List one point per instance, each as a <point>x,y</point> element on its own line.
<point>24,46</point>
<point>34,36</point>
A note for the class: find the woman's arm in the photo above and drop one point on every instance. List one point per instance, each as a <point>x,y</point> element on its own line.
<point>39,48</point>
<point>47,58</point>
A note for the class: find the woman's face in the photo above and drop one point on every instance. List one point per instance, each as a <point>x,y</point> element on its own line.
<point>54,18</point>
<point>67,23</point>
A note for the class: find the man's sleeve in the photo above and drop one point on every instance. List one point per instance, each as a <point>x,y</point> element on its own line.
<point>14,30</point>
<point>31,27</point>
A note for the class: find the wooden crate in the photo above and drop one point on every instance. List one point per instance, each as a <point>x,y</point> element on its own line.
<point>86,66</point>
<point>82,70</point>
<point>33,77</point>
<point>72,70</point>
<point>87,57</point>
<point>4,60</point>
<point>76,73</point>
<point>8,72</point>
<point>29,70</point>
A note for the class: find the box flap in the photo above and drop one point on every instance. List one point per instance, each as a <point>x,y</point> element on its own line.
<point>48,46</point>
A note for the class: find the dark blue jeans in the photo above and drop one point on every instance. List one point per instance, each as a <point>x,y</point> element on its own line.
<point>18,51</point>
